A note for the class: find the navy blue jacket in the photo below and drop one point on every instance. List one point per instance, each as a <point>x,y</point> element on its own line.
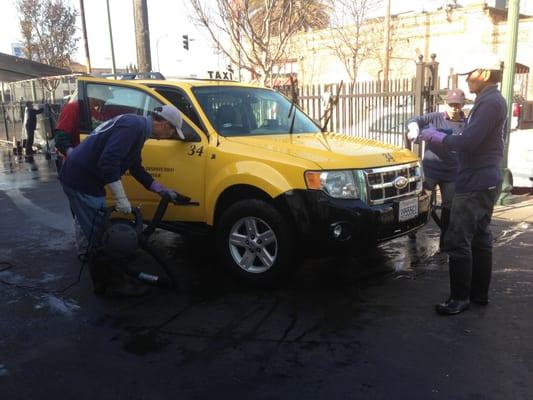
<point>480,147</point>
<point>438,163</point>
<point>107,153</point>
<point>31,117</point>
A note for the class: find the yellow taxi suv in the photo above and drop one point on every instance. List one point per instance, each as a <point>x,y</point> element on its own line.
<point>268,183</point>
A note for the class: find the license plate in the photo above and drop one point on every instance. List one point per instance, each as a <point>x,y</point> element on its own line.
<point>407,209</point>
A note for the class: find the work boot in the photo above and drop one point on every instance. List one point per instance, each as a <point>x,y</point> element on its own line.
<point>452,307</point>
<point>481,275</point>
<point>444,223</point>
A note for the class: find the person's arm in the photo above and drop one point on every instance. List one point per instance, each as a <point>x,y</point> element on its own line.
<point>141,175</point>
<point>475,132</point>
<point>419,122</point>
<point>424,120</point>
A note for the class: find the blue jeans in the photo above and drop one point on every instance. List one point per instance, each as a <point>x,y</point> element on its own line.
<point>87,211</point>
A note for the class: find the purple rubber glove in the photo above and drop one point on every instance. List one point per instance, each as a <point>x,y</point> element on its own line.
<point>431,135</point>
<point>161,190</point>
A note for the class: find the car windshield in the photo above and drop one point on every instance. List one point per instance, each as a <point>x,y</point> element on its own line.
<point>241,111</point>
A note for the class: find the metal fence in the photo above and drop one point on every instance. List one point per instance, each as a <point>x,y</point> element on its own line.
<point>364,109</point>
<point>374,110</point>
<point>12,122</point>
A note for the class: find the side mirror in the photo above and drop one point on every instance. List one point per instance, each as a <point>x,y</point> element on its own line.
<point>189,133</point>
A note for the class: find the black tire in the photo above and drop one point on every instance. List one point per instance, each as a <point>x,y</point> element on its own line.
<point>261,236</point>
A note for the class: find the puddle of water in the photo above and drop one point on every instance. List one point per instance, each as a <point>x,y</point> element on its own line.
<point>508,235</point>
<point>410,255</point>
<point>57,305</point>
<point>3,370</point>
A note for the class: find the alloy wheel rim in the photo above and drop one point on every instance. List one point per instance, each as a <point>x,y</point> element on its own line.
<point>253,245</point>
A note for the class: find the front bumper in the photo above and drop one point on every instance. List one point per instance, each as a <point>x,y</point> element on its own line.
<point>317,216</point>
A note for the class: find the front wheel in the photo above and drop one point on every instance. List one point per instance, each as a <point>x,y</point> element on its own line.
<point>254,241</point>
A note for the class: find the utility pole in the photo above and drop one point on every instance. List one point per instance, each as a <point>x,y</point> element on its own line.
<point>114,70</point>
<point>85,41</point>
<point>507,92</point>
<point>386,49</point>
<point>142,35</point>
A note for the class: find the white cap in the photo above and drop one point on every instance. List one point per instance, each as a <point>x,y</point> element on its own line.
<point>173,116</point>
<point>475,61</point>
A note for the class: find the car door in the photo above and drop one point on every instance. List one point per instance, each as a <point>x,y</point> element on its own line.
<point>177,164</point>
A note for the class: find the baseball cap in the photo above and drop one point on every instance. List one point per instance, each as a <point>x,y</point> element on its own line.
<point>455,96</point>
<point>173,116</point>
<point>475,61</point>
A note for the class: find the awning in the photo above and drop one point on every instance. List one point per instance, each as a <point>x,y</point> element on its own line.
<point>17,69</point>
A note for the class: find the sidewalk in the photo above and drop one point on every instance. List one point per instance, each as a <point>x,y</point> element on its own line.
<point>521,211</point>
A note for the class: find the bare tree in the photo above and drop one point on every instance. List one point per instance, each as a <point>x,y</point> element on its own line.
<point>350,42</point>
<point>254,34</point>
<point>48,28</point>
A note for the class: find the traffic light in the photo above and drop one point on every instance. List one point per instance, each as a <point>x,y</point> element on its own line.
<point>186,42</point>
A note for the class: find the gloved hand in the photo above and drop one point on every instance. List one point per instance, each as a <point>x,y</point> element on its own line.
<point>174,196</point>
<point>181,199</point>
<point>414,130</point>
<point>156,187</point>
<point>69,150</point>
<point>431,135</point>
<point>122,203</point>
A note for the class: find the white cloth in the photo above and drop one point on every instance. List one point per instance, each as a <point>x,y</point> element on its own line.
<point>414,131</point>
<point>122,203</point>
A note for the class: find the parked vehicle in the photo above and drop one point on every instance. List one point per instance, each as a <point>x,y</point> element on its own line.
<point>270,185</point>
<point>520,160</point>
<point>386,125</point>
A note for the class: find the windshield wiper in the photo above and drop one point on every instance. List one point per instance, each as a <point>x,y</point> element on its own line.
<point>332,103</point>
<point>294,101</point>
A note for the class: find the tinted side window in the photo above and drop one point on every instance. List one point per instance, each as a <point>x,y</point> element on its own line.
<point>181,101</point>
<point>107,101</point>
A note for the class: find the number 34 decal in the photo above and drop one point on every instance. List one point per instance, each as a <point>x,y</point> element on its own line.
<point>195,150</point>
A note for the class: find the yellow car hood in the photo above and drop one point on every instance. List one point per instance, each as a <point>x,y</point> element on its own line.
<point>330,150</point>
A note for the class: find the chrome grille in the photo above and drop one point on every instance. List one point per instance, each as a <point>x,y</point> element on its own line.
<point>380,182</point>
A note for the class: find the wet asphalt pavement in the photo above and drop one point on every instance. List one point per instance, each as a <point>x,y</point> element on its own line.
<point>342,328</point>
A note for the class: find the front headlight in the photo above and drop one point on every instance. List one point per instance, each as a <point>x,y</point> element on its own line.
<point>337,184</point>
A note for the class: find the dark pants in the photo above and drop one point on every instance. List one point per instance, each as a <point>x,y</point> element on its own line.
<point>447,192</point>
<point>468,242</point>
<point>30,134</point>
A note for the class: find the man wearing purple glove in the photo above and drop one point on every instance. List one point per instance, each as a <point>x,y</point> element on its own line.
<point>440,166</point>
<point>480,152</point>
<point>113,148</point>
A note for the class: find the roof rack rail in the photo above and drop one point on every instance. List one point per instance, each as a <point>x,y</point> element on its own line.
<point>191,78</point>
<point>134,75</point>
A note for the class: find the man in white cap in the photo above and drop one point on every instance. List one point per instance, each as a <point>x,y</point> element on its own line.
<point>113,148</point>
<point>440,166</point>
<point>480,152</point>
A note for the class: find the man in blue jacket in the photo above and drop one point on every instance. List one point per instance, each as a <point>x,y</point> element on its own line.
<point>31,125</point>
<point>480,152</point>
<point>99,161</point>
<point>440,166</point>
